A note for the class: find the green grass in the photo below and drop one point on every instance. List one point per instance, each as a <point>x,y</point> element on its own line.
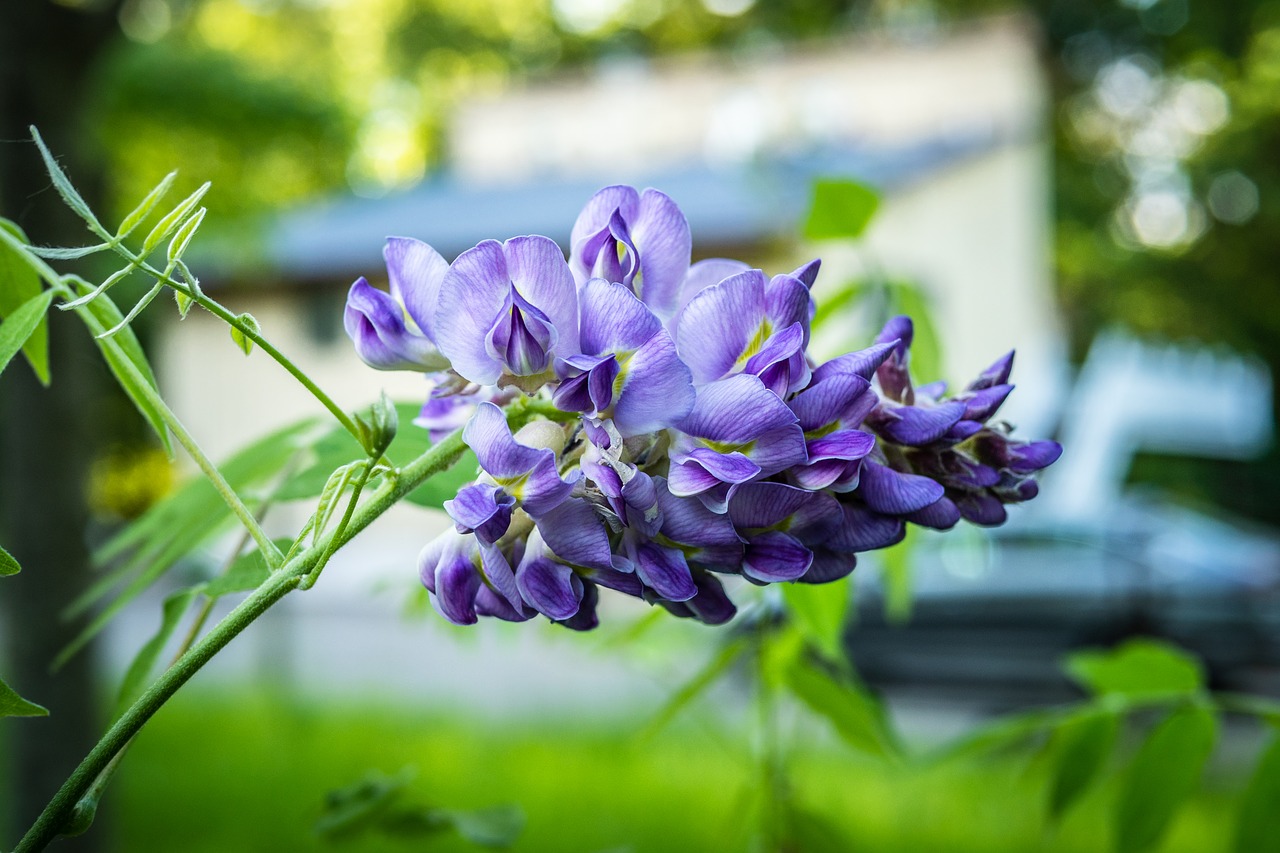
<point>246,773</point>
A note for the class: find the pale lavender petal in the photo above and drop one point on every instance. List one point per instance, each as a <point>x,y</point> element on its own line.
<point>595,216</point>
<point>736,410</point>
<point>822,474</point>
<point>526,473</point>
<point>497,571</point>
<point>613,320</point>
<point>661,235</point>
<point>416,271</point>
<point>774,557</point>
<point>787,301</point>
<point>774,361</point>
<point>779,449</point>
<point>702,469</point>
<point>888,491</point>
<point>719,324</point>
<point>707,272</point>
<point>471,295</point>
<point>665,571</point>
<point>541,275</point>
<point>375,323</point>
<point>447,567</point>
<point>656,388</point>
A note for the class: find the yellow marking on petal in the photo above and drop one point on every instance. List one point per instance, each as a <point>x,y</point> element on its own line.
<point>513,486</point>
<point>763,332</point>
<point>727,446</point>
<point>821,431</point>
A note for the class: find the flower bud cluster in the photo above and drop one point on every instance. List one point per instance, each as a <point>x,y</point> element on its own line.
<point>692,435</point>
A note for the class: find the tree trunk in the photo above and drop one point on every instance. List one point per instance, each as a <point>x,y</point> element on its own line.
<point>47,436</point>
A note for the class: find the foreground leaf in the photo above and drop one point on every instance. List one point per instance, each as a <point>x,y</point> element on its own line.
<point>1140,669</point>
<point>840,209</point>
<point>696,686</point>
<point>1164,773</point>
<point>1258,826</point>
<point>1082,746</point>
<point>18,328</point>
<point>857,717</point>
<point>144,662</point>
<point>8,565</point>
<point>19,283</point>
<point>13,705</point>
<point>820,612</point>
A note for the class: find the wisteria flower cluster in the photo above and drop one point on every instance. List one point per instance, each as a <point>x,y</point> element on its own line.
<point>698,438</point>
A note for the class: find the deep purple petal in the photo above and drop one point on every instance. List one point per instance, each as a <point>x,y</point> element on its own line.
<point>827,400</point>
<point>687,522</point>
<point>761,505</point>
<point>808,274</point>
<point>862,363</point>
<point>982,404</point>
<point>522,338</point>
<point>550,587</point>
<point>981,508</point>
<point>448,568</point>
<point>575,534</point>
<point>915,426</point>
<point>942,514</point>
<point>711,606</point>
<point>775,556</point>
<point>787,301</point>
<point>829,566</point>
<point>585,619</point>
<point>489,603</point>
<point>863,530</point>
<point>665,571</point>
<point>891,492</point>
<point>846,444</point>
<point>483,509</point>
<point>996,374</point>
<point>1033,456</point>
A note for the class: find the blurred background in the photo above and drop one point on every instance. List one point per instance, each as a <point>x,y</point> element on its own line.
<point>1091,182</point>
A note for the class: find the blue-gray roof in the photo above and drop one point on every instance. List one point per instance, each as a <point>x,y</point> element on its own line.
<point>725,206</point>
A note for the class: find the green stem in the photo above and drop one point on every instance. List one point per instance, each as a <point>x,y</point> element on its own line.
<point>220,311</point>
<point>206,466</point>
<point>56,815</point>
<point>314,575</point>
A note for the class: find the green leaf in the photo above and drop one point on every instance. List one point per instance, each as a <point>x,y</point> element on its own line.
<point>64,187</point>
<point>145,207</point>
<point>176,526</point>
<point>144,661</point>
<point>840,209</point>
<point>241,339</point>
<point>857,717</point>
<point>246,573</point>
<point>898,595</point>
<point>496,826</point>
<point>696,686</point>
<point>820,611</point>
<point>1003,734</point>
<point>8,565</point>
<point>173,219</point>
<point>1082,745</point>
<point>120,350</point>
<point>13,705</point>
<point>1258,825</point>
<point>184,303</point>
<point>1139,669</point>
<point>1164,773</point>
<point>182,239</point>
<point>19,283</point>
<point>357,807</point>
<point>18,328</point>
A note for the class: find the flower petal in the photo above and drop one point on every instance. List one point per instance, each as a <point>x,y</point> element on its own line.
<point>720,323</point>
<point>661,235</point>
<point>375,323</point>
<point>416,271</point>
<point>863,530</point>
<point>665,571</point>
<point>892,492</point>
<point>774,556</point>
<point>656,389</point>
<point>915,426</point>
<point>471,294</point>
<point>541,275</point>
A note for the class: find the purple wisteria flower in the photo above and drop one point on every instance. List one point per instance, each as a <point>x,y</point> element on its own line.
<point>684,433</point>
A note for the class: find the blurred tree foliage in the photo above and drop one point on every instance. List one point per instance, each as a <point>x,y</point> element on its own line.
<point>1166,122</point>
